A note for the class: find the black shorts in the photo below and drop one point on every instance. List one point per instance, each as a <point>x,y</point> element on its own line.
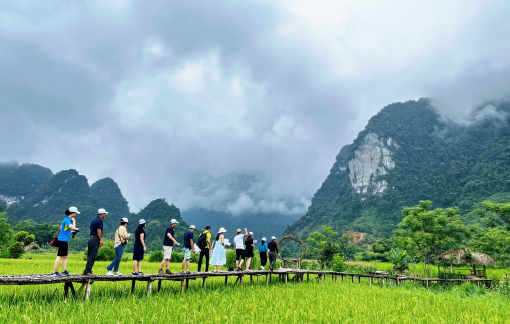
<point>248,253</point>
<point>63,248</point>
<point>239,254</point>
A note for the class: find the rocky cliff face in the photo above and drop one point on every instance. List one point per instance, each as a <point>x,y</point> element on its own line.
<point>371,160</point>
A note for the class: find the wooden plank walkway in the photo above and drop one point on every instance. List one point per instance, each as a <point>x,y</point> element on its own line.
<point>283,276</point>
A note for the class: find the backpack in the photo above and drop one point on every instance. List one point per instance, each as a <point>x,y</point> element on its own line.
<point>202,240</point>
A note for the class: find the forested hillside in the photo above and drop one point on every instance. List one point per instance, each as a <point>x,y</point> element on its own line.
<point>407,153</point>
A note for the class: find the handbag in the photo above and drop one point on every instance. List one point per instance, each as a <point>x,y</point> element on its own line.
<point>54,241</point>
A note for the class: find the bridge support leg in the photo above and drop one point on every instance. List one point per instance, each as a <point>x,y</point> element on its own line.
<point>133,283</point>
<point>267,280</point>
<point>149,287</point>
<point>370,279</point>
<point>204,284</point>
<point>226,280</point>
<point>159,285</point>
<point>359,279</point>
<point>307,277</point>
<point>182,285</point>
<point>187,284</point>
<point>88,289</point>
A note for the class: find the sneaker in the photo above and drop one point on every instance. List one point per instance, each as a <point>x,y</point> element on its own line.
<point>65,273</point>
<point>109,273</point>
<point>271,268</point>
<point>187,272</point>
<point>56,274</point>
<point>168,271</point>
<point>88,274</point>
<point>239,269</point>
<point>160,272</point>
<point>261,268</point>
<point>140,273</point>
<point>118,273</point>
<point>135,274</point>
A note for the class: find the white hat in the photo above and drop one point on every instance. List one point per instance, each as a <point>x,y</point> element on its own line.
<point>222,230</point>
<point>250,233</point>
<point>141,221</point>
<point>192,227</point>
<point>101,211</point>
<point>73,210</point>
<point>124,219</point>
<point>273,237</point>
<point>263,239</point>
<point>173,221</point>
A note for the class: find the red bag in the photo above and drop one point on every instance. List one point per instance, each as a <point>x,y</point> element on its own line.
<point>54,241</point>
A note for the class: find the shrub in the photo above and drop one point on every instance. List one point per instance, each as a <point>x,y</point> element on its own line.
<point>156,256</point>
<point>15,250</point>
<point>338,263</point>
<point>20,236</point>
<point>105,253</point>
<point>177,257</point>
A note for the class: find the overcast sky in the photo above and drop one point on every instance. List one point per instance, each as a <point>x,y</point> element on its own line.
<point>239,106</point>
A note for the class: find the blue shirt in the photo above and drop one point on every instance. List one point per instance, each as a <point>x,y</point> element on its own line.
<point>96,224</point>
<point>187,237</point>
<point>263,247</point>
<point>166,240</point>
<point>65,231</point>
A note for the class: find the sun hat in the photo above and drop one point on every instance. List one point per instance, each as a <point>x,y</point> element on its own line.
<point>238,230</point>
<point>141,221</point>
<point>273,237</point>
<point>250,233</point>
<point>192,227</point>
<point>73,210</point>
<point>263,239</point>
<point>101,211</point>
<point>173,221</point>
<point>124,219</point>
<point>222,230</point>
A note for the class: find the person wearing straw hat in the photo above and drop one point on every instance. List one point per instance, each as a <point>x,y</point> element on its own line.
<point>168,247</point>
<point>273,251</point>
<point>139,248</point>
<point>263,250</point>
<point>239,246</point>
<point>219,257</point>
<point>95,240</point>
<point>68,225</point>
<point>249,250</point>
<point>121,239</point>
<point>188,248</point>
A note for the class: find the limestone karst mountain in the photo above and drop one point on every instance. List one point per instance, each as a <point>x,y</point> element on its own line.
<point>409,152</point>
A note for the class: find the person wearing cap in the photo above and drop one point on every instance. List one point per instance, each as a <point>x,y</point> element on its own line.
<point>204,252</point>
<point>273,251</point>
<point>168,247</point>
<point>239,246</point>
<point>95,240</point>
<point>219,257</point>
<point>68,224</point>
<point>188,248</point>
<point>263,249</point>
<point>139,248</point>
<point>249,250</point>
<point>121,239</point>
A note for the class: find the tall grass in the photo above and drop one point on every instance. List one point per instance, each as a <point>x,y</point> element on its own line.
<point>313,302</point>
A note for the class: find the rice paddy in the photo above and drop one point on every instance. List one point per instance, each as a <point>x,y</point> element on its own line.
<point>313,302</point>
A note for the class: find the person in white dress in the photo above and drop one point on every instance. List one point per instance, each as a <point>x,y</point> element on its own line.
<point>219,257</point>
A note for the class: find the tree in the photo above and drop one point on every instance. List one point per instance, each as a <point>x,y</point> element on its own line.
<point>495,214</point>
<point>322,246</point>
<point>429,232</point>
<point>400,260</point>
<point>5,234</point>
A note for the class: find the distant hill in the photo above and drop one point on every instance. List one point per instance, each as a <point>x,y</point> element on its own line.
<point>407,153</point>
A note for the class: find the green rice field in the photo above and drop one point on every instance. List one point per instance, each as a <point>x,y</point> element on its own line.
<point>313,302</point>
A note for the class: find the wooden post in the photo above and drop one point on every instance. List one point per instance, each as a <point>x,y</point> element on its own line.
<point>133,283</point>
<point>359,279</point>
<point>251,279</point>
<point>286,277</point>
<point>226,280</point>
<point>187,284</point>
<point>66,289</point>
<point>267,280</point>
<point>149,287</point>
<point>182,285</point>
<point>342,278</point>
<point>241,280</point>
<point>414,282</point>
<point>81,289</point>
<point>159,285</point>
<point>89,288</point>
<point>336,278</point>
<point>352,279</point>
<point>307,277</point>
<point>72,289</point>
<point>204,284</point>
<point>370,279</point>
<point>427,283</point>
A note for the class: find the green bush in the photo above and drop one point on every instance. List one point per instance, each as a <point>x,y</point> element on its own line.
<point>177,257</point>
<point>338,263</point>
<point>254,265</point>
<point>156,256</point>
<point>20,236</point>
<point>15,250</point>
<point>105,253</point>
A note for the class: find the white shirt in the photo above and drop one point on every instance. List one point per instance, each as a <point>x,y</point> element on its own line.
<point>239,242</point>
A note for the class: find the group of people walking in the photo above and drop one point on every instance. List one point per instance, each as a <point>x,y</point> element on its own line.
<point>244,248</point>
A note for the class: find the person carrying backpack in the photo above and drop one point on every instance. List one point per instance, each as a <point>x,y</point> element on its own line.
<point>204,244</point>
